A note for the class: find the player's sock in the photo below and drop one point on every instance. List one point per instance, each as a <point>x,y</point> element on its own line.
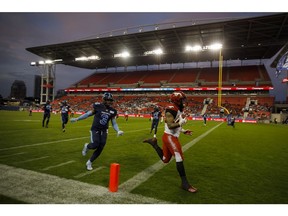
<point>184,182</point>
<point>153,143</point>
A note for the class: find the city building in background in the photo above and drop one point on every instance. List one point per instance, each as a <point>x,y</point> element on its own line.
<point>18,90</point>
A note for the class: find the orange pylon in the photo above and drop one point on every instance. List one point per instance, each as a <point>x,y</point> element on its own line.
<point>114,177</point>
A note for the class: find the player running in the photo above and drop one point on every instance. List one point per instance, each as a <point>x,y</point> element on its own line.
<point>156,115</point>
<point>47,112</point>
<point>174,121</point>
<point>103,113</point>
<point>65,109</point>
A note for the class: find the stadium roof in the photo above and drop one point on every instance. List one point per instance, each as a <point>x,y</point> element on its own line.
<point>243,39</point>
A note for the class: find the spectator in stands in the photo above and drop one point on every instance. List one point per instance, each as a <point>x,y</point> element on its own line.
<point>47,108</point>
<point>155,115</point>
<point>64,110</point>
<point>174,121</point>
<point>103,113</point>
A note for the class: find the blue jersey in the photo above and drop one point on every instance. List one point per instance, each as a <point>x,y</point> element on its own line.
<point>64,109</point>
<point>156,115</point>
<point>205,116</point>
<point>102,116</point>
<point>47,108</point>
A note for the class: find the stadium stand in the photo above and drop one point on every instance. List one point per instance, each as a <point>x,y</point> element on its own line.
<point>231,76</point>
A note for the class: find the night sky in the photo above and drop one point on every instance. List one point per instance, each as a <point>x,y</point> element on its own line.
<point>20,30</point>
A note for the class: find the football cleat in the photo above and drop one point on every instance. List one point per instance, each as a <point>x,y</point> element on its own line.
<point>190,189</point>
<point>89,165</point>
<point>85,149</point>
<point>151,141</point>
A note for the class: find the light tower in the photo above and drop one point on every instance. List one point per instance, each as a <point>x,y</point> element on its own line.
<point>48,79</point>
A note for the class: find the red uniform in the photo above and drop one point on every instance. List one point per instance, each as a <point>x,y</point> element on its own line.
<point>171,145</point>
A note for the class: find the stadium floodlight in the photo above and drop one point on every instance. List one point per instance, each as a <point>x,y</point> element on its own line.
<point>124,54</point>
<point>84,58</point>
<point>158,51</point>
<point>216,46</point>
<point>193,48</point>
<point>196,48</point>
<point>45,62</point>
<point>48,61</point>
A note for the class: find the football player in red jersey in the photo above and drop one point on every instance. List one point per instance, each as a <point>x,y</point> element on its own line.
<point>174,120</point>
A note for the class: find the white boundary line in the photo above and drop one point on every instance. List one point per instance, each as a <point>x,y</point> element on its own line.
<point>143,176</point>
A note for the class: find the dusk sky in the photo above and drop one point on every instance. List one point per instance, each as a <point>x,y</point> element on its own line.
<point>20,30</point>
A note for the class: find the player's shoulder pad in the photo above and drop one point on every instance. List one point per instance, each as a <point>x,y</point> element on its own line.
<point>97,104</point>
<point>113,111</point>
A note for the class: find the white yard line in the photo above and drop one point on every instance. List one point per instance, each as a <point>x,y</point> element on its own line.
<point>30,160</point>
<point>44,143</point>
<point>88,172</point>
<point>58,141</point>
<point>39,188</point>
<point>11,155</point>
<point>143,176</point>
<point>58,165</point>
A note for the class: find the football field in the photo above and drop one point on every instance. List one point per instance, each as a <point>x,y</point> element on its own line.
<point>243,165</point>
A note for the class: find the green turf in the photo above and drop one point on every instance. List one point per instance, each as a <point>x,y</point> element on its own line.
<point>245,165</point>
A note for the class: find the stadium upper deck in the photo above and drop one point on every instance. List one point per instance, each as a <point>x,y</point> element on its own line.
<point>243,39</point>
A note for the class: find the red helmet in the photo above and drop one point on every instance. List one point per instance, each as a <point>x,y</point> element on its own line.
<point>178,97</point>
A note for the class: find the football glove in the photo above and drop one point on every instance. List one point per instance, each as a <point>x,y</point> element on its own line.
<point>187,132</point>
<point>120,133</point>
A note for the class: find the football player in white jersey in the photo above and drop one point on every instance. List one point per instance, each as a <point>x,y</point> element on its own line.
<point>174,120</point>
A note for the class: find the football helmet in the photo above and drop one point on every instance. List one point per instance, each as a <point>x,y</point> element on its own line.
<point>178,98</point>
<point>107,96</point>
